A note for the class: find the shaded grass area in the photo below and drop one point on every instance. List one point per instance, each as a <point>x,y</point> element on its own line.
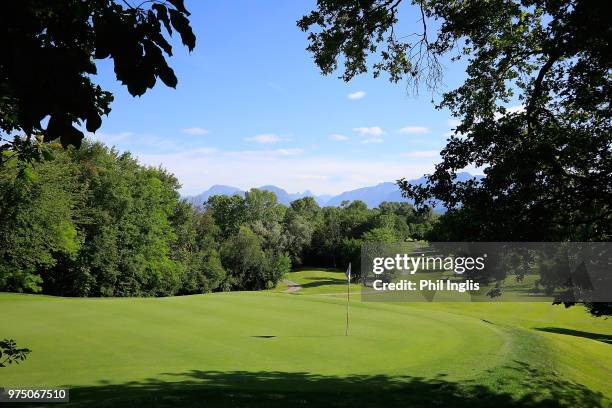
<point>604,338</point>
<point>284,389</point>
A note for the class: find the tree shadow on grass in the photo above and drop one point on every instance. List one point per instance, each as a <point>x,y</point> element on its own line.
<point>316,269</point>
<point>324,282</point>
<point>198,388</point>
<point>604,338</point>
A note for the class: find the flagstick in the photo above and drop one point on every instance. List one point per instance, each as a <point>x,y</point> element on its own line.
<point>348,298</point>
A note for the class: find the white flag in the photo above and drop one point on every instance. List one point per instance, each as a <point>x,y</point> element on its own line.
<point>348,272</point>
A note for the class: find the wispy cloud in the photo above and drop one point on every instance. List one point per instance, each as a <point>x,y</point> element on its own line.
<point>421,153</point>
<point>289,169</point>
<point>133,141</point>
<point>339,138</point>
<point>511,110</point>
<point>205,150</point>
<point>289,152</point>
<point>373,131</point>
<point>356,95</point>
<point>195,131</point>
<point>453,123</point>
<point>372,140</point>
<point>515,109</point>
<point>414,130</point>
<point>266,138</point>
<point>110,138</point>
<point>261,154</point>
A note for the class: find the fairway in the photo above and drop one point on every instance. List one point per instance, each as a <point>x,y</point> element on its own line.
<point>274,348</point>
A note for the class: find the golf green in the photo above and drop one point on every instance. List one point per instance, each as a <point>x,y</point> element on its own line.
<point>277,349</point>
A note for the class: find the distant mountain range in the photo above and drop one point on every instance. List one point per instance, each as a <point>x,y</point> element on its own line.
<point>372,196</point>
<point>282,196</point>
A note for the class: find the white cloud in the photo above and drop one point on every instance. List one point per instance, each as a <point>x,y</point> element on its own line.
<point>373,131</point>
<point>372,140</point>
<point>515,109</point>
<point>262,154</point>
<point>421,154</point>
<point>195,131</point>
<point>132,141</point>
<point>205,150</point>
<point>453,123</point>
<point>339,138</point>
<point>289,152</point>
<point>323,174</point>
<point>110,138</point>
<point>313,177</point>
<point>265,138</point>
<point>413,130</point>
<point>510,110</point>
<point>197,167</point>
<point>356,95</point>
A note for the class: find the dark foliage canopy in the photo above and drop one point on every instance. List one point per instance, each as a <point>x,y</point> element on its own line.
<point>48,50</point>
<point>547,163</point>
<point>10,353</point>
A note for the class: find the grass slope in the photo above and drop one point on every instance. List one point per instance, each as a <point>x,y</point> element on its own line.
<point>278,349</point>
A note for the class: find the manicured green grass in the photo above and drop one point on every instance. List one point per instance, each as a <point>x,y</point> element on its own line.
<point>319,280</point>
<point>279,349</point>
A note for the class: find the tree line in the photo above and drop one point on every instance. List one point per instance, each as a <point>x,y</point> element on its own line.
<point>95,222</point>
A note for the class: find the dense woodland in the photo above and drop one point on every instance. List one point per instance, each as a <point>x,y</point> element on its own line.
<point>94,222</point>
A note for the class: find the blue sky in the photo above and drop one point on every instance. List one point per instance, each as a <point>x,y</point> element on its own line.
<point>251,108</point>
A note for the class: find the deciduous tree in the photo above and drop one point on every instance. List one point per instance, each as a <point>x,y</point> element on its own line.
<point>48,53</point>
<point>548,160</point>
